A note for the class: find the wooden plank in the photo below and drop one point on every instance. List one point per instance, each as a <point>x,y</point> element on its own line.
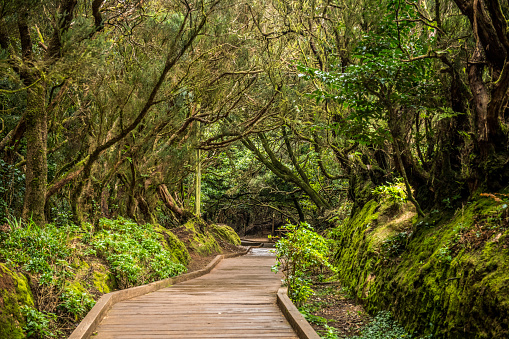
<point>236,300</point>
<point>199,336</point>
<point>97,313</point>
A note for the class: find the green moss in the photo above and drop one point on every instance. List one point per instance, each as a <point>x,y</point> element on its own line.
<point>199,237</point>
<point>79,281</point>
<point>14,293</point>
<point>76,286</point>
<point>82,267</point>
<point>205,244</point>
<point>89,275</point>
<point>103,280</point>
<point>173,244</point>
<point>190,225</point>
<point>226,233</point>
<point>440,284</point>
<point>202,242</point>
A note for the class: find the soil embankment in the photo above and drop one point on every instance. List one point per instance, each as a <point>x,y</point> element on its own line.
<point>446,275</point>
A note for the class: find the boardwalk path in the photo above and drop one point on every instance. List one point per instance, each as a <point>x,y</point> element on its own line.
<point>236,300</point>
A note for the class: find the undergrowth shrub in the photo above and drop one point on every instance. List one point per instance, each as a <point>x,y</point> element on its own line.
<point>383,326</point>
<point>133,252</point>
<point>47,255</point>
<point>41,251</point>
<point>299,254</point>
<point>395,245</point>
<point>39,324</point>
<point>76,303</point>
<point>393,192</point>
<point>54,257</point>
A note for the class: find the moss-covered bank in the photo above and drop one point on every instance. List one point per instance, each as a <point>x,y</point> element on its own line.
<point>14,293</point>
<point>225,233</point>
<point>204,239</point>
<point>448,278</point>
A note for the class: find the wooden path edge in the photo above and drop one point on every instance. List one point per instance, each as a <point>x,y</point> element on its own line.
<point>299,324</point>
<point>93,318</point>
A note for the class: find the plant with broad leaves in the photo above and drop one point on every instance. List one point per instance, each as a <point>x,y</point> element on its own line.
<point>301,252</point>
<point>134,252</point>
<point>76,303</point>
<point>39,324</point>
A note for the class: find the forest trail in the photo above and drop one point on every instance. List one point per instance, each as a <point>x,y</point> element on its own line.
<point>236,300</point>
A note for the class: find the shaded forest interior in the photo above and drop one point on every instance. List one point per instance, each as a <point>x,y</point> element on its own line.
<point>297,107</point>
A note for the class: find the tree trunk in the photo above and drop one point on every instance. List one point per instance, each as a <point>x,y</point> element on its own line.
<point>489,97</point>
<point>168,200</point>
<point>105,209</point>
<point>410,195</point>
<point>302,218</point>
<point>37,168</point>
<point>131,200</point>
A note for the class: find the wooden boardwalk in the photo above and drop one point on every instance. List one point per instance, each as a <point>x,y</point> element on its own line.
<point>236,300</point>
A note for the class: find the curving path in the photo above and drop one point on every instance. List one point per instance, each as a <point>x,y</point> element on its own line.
<point>236,300</point>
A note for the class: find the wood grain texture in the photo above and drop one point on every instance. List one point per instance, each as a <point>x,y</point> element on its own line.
<point>236,300</point>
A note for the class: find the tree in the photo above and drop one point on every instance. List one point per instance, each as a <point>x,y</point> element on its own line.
<point>87,96</point>
<point>489,95</point>
<point>397,89</point>
<point>33,64</point>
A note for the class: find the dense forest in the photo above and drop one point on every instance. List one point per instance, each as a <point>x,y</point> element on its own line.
<point>330,112</point>
<point>292,104</point>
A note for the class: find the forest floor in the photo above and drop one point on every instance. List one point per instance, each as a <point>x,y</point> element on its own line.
<point>332,309</point>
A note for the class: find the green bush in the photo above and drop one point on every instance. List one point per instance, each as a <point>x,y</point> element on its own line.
<point>134,252</point>
<point>383,326</point>
<point>299,254</point>
<point>76,303</point>
<point>46,254</point>
<point>393,192</point>
<point>39,324</point>
<point>53,256</point>
<point>41,251</point>
<point>395,245</point>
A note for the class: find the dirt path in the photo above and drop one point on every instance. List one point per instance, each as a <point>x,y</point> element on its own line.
<point>236,300</point>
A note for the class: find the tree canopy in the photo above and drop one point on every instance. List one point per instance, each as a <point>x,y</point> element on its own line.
<point>299,107</point>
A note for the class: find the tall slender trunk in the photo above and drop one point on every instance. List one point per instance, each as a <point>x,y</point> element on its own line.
<point>302,218</point>
<point>131,202</point>
<point>36,134</point>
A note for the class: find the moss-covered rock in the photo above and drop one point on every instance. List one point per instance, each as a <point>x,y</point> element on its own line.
<point>449,278</point>
<point>198,237</point>
<point>173,244</point>
<point>202,241</point>
<point>226,233</point>
<point>91,276</point>
<point>103,280</point>
<point>14,293</point>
